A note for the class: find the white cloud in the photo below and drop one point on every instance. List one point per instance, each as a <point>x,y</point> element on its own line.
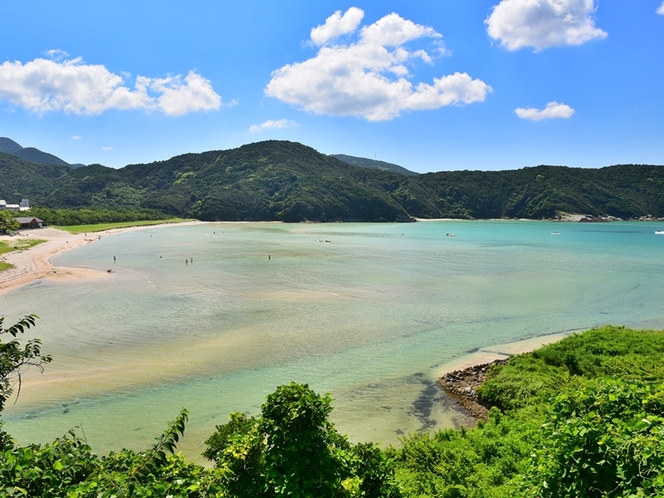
<point>57,54</point>
<point>73,86</point>
<point>542,24</point>
<point>76,137</point>
<point>195,94</point>
<point>370,77</point>
<point>273,125</point>
<point>337,25</point>
<point>107,148</point>
<point>552,110</point>
<point>660,11</point>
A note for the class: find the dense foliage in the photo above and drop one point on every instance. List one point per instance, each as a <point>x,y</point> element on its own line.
<point>69,217</point>
<point>287,181</point>
<point>583,417</point>
<point>8,222</point>
<point>293,450</point>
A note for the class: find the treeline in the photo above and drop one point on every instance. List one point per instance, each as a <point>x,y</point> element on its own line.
<point>68,217</point>
<point>580,418</point>
<point>287,181</point>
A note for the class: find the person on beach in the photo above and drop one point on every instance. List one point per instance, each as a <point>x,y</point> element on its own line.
<point>114,260</point>
<point>186,262</point>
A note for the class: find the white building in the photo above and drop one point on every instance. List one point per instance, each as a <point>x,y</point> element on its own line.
<point>24,205</point>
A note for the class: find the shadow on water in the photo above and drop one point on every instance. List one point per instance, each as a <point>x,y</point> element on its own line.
<point>433,395</point>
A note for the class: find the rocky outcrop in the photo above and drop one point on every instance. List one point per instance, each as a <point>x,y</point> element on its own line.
<point>598,219</point>
<point>462,386</point>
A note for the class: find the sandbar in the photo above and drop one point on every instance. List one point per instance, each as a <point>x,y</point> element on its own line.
<point>500,352</point>
<point>34,263</point>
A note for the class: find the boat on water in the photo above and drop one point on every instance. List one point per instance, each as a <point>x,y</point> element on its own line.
<point>659,232</point>
<point>555,233</point>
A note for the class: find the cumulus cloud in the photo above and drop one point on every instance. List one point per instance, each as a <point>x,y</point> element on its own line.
<point>370,77</point>
<point>660,11</point>
<point>273,125</point>
<point>72,86</point>
<point>337,25</point>
<point>107,148</point>
<point>542,24</point>
<point>76,137</point>
<point>552,110</point>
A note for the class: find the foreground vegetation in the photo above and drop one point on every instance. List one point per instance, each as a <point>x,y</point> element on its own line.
<point>580,418</point>
<point>286,181</point>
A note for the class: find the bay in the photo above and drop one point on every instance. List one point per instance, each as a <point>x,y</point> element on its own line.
<point>367,312</point>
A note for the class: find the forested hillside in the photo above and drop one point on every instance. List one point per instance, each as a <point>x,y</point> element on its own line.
<point>287,181</point>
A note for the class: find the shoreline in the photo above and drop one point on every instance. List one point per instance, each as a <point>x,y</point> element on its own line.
<point>501,351</point>
<point>461,377</point>
<point>35,263</point>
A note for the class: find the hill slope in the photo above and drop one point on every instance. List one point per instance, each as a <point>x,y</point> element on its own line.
<point>278,180</point>
<point>31,154</point>
<point>373,164</point>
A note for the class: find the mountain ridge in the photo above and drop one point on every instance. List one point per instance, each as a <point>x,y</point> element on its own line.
<point>32,154</point>
<point>373,164</point>
<point>288,181</point>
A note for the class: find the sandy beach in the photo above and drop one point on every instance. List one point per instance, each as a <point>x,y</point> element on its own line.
<point>34,263</point>
<point>500,352</point>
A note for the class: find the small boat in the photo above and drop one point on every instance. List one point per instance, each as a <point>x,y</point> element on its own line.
<point>659,232</point>
<point>449,235</point>
<point>555,233</point>
<point>328,240</point>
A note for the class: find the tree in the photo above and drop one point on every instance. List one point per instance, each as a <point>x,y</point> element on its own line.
<point>292,449</point>
<point>8,222</point>
<point>15,357</point>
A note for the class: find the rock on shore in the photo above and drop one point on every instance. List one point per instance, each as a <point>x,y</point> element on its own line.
<point>462,386</point>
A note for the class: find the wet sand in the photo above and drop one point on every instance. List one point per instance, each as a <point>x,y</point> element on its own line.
<point>34,263</point>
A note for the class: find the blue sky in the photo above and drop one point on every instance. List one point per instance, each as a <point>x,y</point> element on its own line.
<point>429,85</point>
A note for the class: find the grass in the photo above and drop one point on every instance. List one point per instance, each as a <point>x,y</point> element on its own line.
<point>100,227</point>
<point>16,245</point>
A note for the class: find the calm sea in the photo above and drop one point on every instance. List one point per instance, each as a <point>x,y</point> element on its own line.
<point>367,312</point>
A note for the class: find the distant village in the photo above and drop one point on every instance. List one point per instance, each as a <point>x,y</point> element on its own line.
<point>23,206</point>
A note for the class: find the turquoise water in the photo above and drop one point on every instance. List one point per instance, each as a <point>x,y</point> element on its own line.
<point>369,316</point>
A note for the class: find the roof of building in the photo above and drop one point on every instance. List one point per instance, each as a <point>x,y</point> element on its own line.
<point>28,219</point>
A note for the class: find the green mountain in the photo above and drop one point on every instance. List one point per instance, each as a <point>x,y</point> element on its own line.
<point>373,164</point>
<point>287,181</point>
<point>8,146</point>
<point>30,154</point>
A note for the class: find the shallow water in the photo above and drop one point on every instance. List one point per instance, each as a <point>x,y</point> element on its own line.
<point>369,316</point>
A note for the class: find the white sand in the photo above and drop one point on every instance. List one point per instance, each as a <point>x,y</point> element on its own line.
<point>500,352</point>
<point>34,263</point>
